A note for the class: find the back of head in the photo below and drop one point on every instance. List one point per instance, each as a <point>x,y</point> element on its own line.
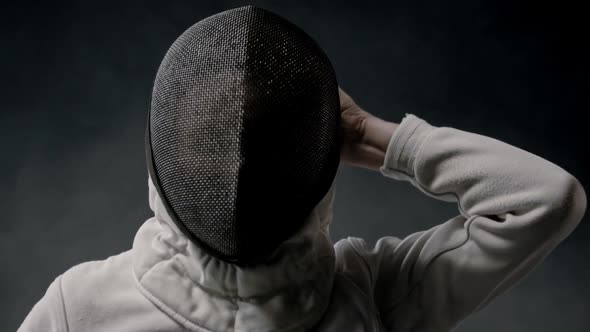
<point>242,138</point>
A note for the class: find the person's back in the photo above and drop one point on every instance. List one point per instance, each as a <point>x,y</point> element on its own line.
<point>246,131</point>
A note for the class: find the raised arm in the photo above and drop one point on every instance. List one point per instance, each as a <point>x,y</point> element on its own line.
<point>515,208</point>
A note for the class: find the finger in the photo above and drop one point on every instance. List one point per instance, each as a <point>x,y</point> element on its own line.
<point>345,100</point>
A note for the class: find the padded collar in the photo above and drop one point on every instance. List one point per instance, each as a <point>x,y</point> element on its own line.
<point>203,293</point>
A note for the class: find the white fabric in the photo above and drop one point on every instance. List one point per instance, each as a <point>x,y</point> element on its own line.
<point>515,207</point>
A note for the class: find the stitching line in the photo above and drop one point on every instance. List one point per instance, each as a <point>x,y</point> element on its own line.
<point>63,304</point>
<point>430,262</point>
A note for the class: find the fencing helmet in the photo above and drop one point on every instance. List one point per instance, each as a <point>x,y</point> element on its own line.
<point>243,134</point>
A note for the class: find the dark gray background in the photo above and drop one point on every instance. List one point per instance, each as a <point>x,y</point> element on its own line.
<point>76,86</point>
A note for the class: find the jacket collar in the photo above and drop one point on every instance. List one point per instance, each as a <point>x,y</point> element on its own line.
<point>202,292</point>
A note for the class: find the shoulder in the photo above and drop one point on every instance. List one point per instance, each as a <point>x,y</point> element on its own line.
<point>81,295</point>
<point>100,275</point>
<point>97,277</point>
<point>99,290</point>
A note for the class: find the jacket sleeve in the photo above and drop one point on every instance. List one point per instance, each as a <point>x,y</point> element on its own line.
<point>48,314</point>
<point>515,207</point>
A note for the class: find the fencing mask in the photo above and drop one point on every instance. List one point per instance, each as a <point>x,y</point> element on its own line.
<point>243,135</point>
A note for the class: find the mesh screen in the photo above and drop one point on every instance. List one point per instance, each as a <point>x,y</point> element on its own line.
<point>243,134</point>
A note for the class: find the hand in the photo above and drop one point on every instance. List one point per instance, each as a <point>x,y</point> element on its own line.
<point>365,136</point>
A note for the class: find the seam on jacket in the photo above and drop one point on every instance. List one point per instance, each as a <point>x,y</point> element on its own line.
<point>430,262</point>
<point>180,318</point>
<point>469,219</point>
<point>63,305</point>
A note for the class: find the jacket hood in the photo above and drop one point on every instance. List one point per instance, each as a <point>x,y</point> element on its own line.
<point>289,292</point>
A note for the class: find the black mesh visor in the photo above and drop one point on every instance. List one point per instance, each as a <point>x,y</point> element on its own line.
<point>243,133</point>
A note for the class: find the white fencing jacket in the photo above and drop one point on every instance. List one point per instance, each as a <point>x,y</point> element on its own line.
<point>515,208</point>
